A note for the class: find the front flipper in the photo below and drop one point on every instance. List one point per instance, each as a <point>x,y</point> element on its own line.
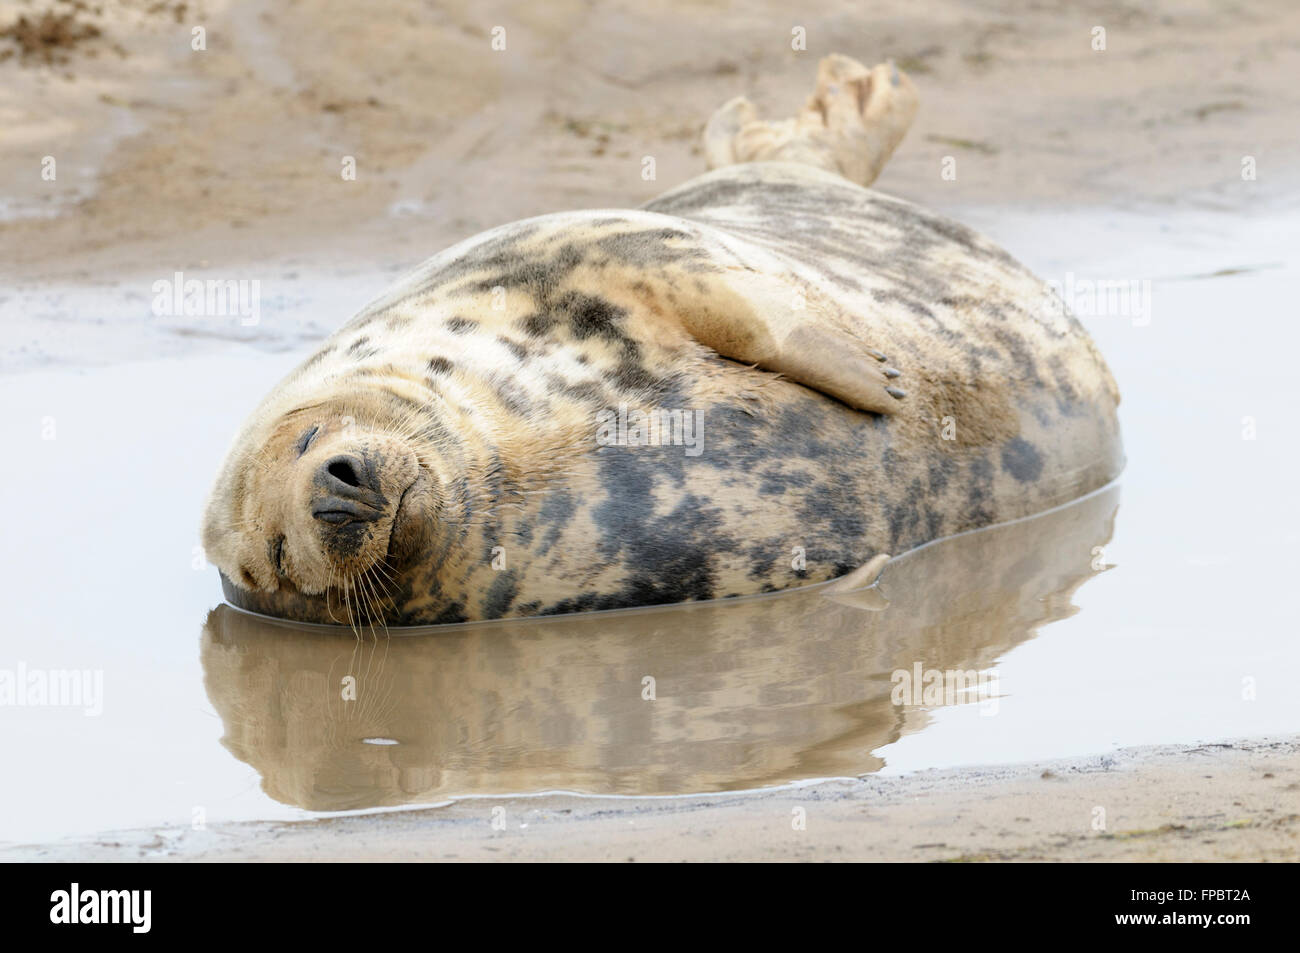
<point>784,326</point>
<point>837,364</point>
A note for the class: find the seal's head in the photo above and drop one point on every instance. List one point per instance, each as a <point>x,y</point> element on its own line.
<point>312,499</point>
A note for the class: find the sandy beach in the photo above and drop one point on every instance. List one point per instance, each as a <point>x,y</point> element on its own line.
<point>225,162</point>
<point>1233,801</point>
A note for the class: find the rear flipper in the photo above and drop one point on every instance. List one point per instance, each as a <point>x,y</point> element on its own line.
<point>850,125</point>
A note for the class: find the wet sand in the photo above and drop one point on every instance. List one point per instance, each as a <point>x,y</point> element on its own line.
<point>226,163</point>
<point>1232,801</point>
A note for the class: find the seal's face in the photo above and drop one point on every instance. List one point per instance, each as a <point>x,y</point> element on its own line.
<point>316,505</point>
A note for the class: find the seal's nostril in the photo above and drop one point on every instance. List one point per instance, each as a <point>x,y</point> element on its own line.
<point>345,471</point>
<point>346,474</point>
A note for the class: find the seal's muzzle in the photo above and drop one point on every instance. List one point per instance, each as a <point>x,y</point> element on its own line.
<point>346,489</point>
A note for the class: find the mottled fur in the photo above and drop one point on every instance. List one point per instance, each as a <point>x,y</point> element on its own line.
<point>496,356</point>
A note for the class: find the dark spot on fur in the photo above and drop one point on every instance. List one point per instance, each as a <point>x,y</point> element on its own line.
<point>590,316</point>
<point>1020,352</point>
<point>630,375</point>
<point>359,350</point>
<point>514,397</point>
<point>889,462</point>
<point>537,325</point>
<point>649,248</point>
<point>980,492</point>
<point>540,278</point>
<point>500,595</point>
<point>940,470</point>
<point>668,554</point>
<point>555,513</point>
<point>451,615</point>
<point>762,558</point>
<point>518,350</point>
<point>1022,460</point>
<point>776,481</point>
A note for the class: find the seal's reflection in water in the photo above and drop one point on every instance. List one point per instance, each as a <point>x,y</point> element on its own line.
<point>746,692</point>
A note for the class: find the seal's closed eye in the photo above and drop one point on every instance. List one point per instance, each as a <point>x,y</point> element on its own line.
<point>305,440</point>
